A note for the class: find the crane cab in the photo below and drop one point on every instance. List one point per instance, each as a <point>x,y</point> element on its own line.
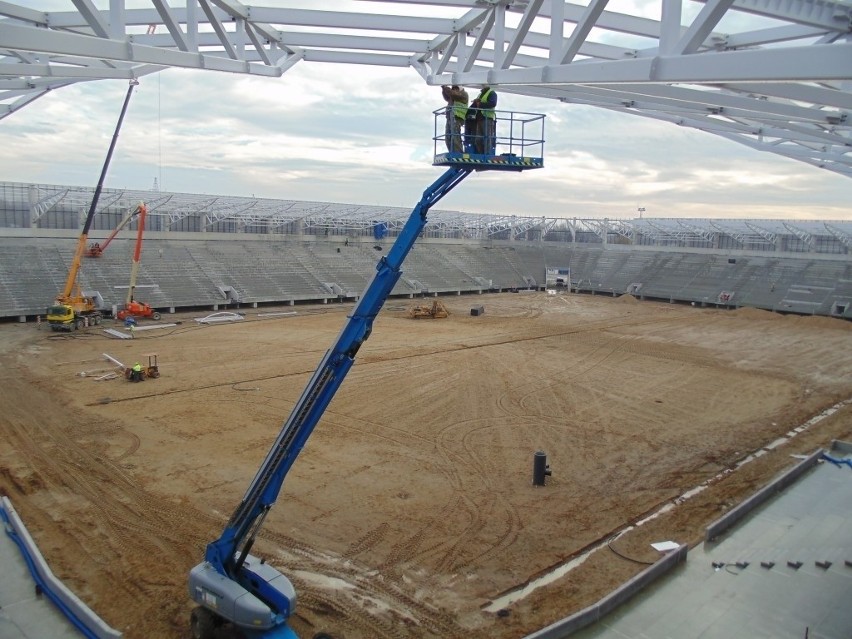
<point>514,141</point>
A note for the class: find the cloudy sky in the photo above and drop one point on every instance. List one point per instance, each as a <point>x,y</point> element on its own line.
<point>363,135</point>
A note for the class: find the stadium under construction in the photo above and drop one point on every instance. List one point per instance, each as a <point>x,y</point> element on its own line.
<point>222,252</point>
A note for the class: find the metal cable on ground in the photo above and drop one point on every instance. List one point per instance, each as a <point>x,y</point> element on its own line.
<point>635,561</point>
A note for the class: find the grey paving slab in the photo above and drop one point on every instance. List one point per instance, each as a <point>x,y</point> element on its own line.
<point>23,614</point>
<point>809,522</point>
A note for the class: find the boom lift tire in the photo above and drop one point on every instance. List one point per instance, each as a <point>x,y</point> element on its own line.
<point>203,623</point>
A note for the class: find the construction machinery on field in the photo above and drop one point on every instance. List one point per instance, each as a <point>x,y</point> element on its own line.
<point>235,591</point>
<point>132,307</point>
<point>435,310</point>
<point>74,309</point>
<point>151,371</point>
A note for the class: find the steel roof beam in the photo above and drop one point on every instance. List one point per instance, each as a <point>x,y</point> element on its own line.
<point>28,39</point>
<point>844,237</point>
<point>781,84</point>
<point>93,17</point>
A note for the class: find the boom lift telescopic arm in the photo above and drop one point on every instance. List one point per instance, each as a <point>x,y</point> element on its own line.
<point>137,252</point>
<point>97,249</point>
<point>227,560</point>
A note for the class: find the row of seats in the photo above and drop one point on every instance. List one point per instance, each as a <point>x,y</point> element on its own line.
<point>211,272</point>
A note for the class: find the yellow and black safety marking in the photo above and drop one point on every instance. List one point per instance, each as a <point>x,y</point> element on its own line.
<point>495,161</point>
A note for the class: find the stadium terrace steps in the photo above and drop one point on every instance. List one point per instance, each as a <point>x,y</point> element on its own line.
<point>219,271</point>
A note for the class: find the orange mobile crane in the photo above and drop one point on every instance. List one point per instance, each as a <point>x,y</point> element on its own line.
<point>72,310</point>
<point>132,308</point>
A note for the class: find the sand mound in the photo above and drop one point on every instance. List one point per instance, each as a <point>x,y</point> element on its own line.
<point>757,313</point>
<point>819,321</point>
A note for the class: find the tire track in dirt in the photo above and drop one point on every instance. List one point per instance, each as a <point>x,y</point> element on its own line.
<point>449,556</point>
<point>367,361</point>
<point>612,352</point>
<point>116,528</point>
<point>453,554</point>
<point>403,577</point>
<point>503,512</point>
<point>374,604</point>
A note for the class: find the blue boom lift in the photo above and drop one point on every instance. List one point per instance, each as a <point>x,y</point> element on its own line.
<point>236,589</point>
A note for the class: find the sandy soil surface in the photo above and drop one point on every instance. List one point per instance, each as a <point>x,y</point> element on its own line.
<point>411,510</point>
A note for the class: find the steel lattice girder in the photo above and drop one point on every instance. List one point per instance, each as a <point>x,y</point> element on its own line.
<point>780,84</point>
<point>343,218</point>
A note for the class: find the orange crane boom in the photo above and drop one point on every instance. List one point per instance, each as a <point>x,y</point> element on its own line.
<point>132,308</point>
<point>137,255</point>
<point>97,249</point>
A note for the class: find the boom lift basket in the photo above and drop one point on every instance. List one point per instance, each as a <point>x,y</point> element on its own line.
<point>518,143</point>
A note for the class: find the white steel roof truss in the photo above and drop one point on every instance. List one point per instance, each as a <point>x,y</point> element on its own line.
<point>819,140</point>
<point>843,237</point>
<point>818,13</point>
<point>780,85</point>
<point>171,24</point>
<point>234,210</point>
<point>658,231</point>
<point>763,233</point>
<point>93,17</point>
<point>799,232</point>
<point>43,205</point>
<point>619,228</point>
<point>745,235</point>
<point>699,233</point>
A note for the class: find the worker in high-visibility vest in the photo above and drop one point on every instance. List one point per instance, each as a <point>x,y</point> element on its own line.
<point>457,99</point>
<point>487,138</point>
<point>136,373</point>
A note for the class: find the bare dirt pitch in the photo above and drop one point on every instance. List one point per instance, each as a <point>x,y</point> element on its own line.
<point>412,505</point>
